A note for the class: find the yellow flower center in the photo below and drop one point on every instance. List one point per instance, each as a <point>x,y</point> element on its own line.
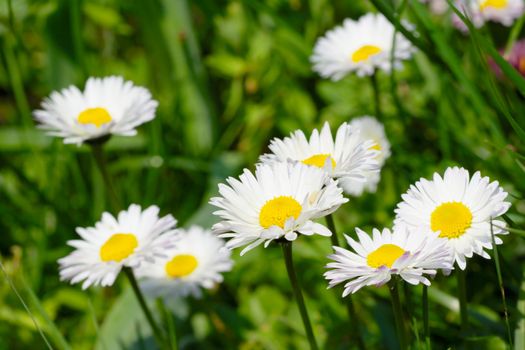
<point>452,219</point>
<point>98,116</point>
<point>319,160</point>
<point>181,265</point>
<point>387,255</point>
<point>365,52</point>
<point>497,4</point>
<point>377,146</point>
<point>276,211</point>
<point>118,247</point>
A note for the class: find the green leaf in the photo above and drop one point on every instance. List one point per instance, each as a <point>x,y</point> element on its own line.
<point>227,65</point>
<point>519,331</point>
<point>119,330</point>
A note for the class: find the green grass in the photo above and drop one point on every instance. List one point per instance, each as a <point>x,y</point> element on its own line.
<point>230,75</point>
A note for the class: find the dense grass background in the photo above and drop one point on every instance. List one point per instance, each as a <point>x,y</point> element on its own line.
<point>229,75</point>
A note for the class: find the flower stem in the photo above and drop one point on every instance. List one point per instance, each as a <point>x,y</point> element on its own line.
<point>100,159</point>
<point>349,303</point>
<point>375,88</point>
<point>500,283</point>
<point>426,327</point>
<point>140,297</point>
<point>355,333</point>
<point>398,313</point>
<point>462,291</point>
<point>287,252</point>
<point>331,226</point>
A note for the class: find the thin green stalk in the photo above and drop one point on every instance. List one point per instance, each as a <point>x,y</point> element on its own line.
<point>15,78</point>
<point>349,303</point>
<point>352,314</point>
<point>13,288</point>
<point>519,332</point>
<point>500,283</point>
<point>51,329</point>
<point>387,10</point>
<point>462,296</point>
<point>287,252</point>
<point>514,34</point>
<point>76,29</point>
<point>100,159</point>
<point>331,226</point>
<point>375,88</point>
<point>393,83</point>
<point>11,15</point>
<point>168,320</point>
<point>159,338</point>
<point>398,314</point>
<point>426,326</point>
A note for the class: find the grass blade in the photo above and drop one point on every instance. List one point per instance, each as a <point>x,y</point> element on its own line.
<point>519,332</point>
<point>500,283</point>
<point>35,322</point>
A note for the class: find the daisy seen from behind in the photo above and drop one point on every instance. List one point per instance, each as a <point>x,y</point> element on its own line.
<point>369,129</point>
<point>410,254</point>
<point>347,158</point>
<point>279,201</point>
<point>459,208</point>
<point>133,237</point>
<point>106,106</point>
<point>197,261</point>
<point>361,46</point>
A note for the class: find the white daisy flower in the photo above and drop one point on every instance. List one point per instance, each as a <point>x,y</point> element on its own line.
<point>481,11</point>
<point>409,254</point>
<point>135,236</point>
<point>459,208</point>
<point>360,46</point>
<point>280,200</point>
<point>369,129</point>
<point>348,158</point>
<point>196,261</point>
<point>107,106</point>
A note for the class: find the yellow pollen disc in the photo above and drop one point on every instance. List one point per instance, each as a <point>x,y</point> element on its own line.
<point>118,247</point>
<point>452,219</point>
<point>365,52</point>
<point>377,147</point>
<point>98,116</point>
<point>319,160</point>
<point>386,255</point>
<point>497,4</point>
<point>181,265</point>
<point>276,211</point>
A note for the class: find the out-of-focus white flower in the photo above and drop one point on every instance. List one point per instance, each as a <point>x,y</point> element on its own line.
<point>361,46</point>
<point>369,129</point>
<point>198,260</point>
<point>350,158</point>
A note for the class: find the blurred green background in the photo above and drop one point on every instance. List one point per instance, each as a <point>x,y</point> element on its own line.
<point>229,75</point>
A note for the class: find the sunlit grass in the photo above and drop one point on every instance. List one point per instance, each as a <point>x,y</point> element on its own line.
<point>228,77</point>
